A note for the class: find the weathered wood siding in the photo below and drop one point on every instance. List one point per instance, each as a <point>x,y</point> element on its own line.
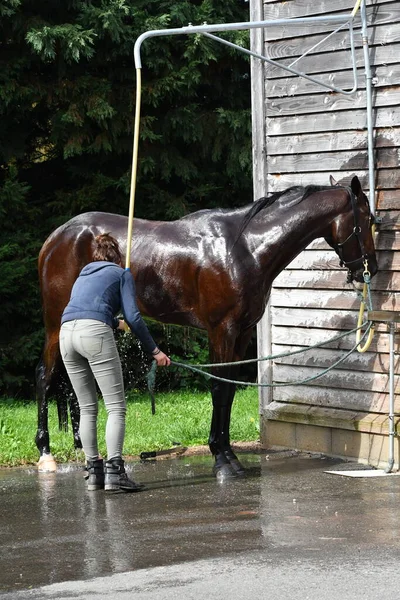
<point>302,134</point>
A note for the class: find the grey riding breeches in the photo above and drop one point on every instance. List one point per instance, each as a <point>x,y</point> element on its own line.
<point>89,353</point>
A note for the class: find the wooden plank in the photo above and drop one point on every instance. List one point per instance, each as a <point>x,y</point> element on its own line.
<point>317,317</point>
<point>385,30</point>
<point>384,316</point>
<point>385,178</point>
<point>330,299</point>
<point>336,378</point>
<point>324,357</point>
<point>376,15</point>
<point>322,260</point>
<point>390,218</point>
<point>317,280</point>
<point>327,101</point>
<point>379,328</point>
<point>275,32</point>
<point>388,199</point>
<point>327,122</point>
<point>327,319</point>
<point>328,417</point>
<point>304,8</point>
<point>387,240</point>
<point>329,161</point>
<point>308,336</point>
<point>377,402</point>
<point>384,239</point>
<point>340,60</point>
<point>335,141</point>
<point>298,86</point>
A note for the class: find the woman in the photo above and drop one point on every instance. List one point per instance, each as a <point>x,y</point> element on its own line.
<point>89,352</point>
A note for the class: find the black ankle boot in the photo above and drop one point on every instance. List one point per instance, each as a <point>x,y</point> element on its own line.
<point>95,476</point>
<point>116,478</point>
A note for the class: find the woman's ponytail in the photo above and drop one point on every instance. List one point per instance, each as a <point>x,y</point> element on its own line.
<point>107,248</point>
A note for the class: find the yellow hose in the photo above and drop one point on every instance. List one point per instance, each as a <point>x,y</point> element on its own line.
<point>356,7</point>
<point>360,322</point>
<point>134,168</point>
<point>361,314</point>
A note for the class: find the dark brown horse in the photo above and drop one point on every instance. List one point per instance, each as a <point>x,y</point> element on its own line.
<point>213,270</point>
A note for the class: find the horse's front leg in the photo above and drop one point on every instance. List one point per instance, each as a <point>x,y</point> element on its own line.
<point>226,346</point>
<point>225,349</point>
<point>226,462</point>
<point>234,462</point>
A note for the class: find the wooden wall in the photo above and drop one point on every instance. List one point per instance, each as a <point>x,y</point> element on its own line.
<point>302,134</point>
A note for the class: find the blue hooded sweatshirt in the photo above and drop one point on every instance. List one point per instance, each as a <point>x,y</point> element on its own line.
<point>101,291</point>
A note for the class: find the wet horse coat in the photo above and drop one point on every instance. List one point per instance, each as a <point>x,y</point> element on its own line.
<point>212,269</point>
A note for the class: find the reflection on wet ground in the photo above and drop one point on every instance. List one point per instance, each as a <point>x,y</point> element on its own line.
<point>53,530</point>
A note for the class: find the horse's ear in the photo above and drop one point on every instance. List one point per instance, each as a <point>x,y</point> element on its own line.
<point>356,186</point>
<point>333,180</point>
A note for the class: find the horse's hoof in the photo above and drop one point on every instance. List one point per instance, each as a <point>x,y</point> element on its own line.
<point>235,463</point>
<point>47,464</point>
<point>223,472</point>
<point>237,467</point>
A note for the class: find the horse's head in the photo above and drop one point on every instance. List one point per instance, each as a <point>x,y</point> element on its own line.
<point>352,236</point>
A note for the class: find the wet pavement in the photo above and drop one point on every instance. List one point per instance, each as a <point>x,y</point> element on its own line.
<point>287,530</point>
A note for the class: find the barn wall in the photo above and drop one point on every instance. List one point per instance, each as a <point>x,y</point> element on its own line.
<point>302,134</point>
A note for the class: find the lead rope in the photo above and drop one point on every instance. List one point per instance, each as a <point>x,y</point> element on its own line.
<point>366,301</point>
<point>151,376</point>
<point>366,293</point>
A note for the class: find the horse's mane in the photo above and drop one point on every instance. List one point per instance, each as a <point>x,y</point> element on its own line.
<point>295,194</point>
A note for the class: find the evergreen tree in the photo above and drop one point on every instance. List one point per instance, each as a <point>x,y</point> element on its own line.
<point>67,93</point>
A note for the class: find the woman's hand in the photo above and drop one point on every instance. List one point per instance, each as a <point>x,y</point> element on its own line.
<point>162,359</point>
<point>122,325</point>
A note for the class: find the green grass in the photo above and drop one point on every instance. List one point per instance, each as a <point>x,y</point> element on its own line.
<point>182,417</point>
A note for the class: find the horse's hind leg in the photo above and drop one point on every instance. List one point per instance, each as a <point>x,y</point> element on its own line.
<point>47,372</point>
<point>75,416</point>
<point>51,378</point>
<point>42,439</point>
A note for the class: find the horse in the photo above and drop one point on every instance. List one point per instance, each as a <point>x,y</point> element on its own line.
<point>212,269</point>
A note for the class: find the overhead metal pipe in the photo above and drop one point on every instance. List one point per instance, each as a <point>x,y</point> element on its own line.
<point>232,27</point>
<point>207,30</point>
<point>370,128</point>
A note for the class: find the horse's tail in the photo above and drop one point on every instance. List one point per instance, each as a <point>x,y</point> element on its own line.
<point>62,411</point>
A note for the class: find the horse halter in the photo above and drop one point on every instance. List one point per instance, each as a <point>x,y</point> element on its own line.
<point>355,233</point>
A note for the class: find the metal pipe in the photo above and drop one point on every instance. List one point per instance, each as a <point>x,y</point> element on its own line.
<point>231,27</point>
<point>368,82</point>
<point>392,431</point>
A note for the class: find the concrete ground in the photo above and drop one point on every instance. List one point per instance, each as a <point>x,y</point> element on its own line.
<point>289,531</point>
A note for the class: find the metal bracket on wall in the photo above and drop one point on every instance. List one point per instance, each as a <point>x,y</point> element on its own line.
<point>346,20</point>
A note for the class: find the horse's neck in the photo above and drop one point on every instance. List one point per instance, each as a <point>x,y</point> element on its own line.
<point>278,236</point>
